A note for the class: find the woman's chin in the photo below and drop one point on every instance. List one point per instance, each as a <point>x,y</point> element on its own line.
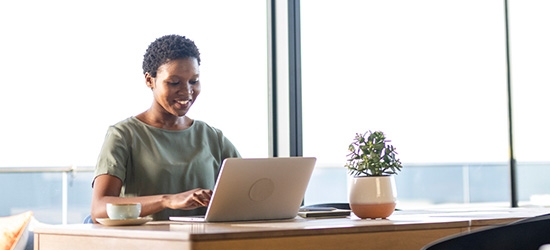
<point>180,112</point>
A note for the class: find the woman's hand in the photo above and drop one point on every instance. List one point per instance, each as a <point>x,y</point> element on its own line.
<point>107,190</point>
<point>188,200</point>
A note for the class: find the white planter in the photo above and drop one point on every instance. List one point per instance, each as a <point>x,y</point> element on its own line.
<point>372,196</point>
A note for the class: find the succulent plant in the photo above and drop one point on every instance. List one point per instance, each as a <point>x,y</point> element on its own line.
<point>372,155</point>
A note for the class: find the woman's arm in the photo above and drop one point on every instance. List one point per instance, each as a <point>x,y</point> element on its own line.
<point>107,190</point>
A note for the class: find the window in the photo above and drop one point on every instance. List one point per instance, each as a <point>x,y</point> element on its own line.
<point>530,53</point>
<point>430,74</point>
<point>72,68</point>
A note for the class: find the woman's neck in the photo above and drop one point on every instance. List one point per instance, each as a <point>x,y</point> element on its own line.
<point>165,121</point>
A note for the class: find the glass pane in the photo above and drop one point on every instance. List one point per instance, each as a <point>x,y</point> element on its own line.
<point>40,193</point>
<point>75,68</point>
<point>430,74</point>
<point>530,53</point>
<point>72,68</point>
<point>79,195</point>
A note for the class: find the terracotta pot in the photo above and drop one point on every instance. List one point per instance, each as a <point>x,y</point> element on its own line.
<point>372,196</point>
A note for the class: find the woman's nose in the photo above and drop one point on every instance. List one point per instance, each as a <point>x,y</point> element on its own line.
<point>187,89</point>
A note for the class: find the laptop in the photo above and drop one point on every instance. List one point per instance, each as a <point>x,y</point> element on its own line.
<point>255,189</point>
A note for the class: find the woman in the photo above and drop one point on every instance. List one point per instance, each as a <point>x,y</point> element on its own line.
<point>162,158</point>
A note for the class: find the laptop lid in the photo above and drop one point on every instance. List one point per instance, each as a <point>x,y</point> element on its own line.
<point>249,189</point>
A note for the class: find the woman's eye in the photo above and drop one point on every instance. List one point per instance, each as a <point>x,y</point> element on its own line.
<point>173,83</point>
<point>193,82</point>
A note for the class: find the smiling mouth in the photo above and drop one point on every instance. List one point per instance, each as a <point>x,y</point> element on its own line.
<point>183,102</point>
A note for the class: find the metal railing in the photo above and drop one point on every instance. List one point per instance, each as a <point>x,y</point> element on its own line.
<point>65,173</point>
<point>416,177</point>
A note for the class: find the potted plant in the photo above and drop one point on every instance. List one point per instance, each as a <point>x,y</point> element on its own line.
<point>372,162</point>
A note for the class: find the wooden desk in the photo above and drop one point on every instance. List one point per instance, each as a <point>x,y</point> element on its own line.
<point>402,230</point>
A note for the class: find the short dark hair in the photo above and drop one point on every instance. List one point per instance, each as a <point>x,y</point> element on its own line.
<point>167,48</point>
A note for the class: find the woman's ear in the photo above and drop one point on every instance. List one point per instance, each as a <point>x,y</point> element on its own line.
<point>149,80</point>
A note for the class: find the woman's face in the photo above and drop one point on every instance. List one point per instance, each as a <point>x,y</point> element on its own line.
<point>176,86</point>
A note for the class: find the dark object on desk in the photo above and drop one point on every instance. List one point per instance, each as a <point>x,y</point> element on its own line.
<point>324,214</point>
<point>327,210</point>
<point>329,205</point>
<point>526,234</point>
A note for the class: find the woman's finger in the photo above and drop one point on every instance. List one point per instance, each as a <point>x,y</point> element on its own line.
<point>197,198</point>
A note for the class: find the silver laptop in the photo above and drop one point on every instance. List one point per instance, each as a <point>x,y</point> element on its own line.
<point>252,189</point>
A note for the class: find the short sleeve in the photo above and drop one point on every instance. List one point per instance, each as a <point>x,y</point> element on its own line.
<point>228,149</point>
<point>114,155</point>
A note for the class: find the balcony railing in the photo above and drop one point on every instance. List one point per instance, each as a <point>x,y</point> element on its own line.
<point>62,195</point>
<point>38,189</point>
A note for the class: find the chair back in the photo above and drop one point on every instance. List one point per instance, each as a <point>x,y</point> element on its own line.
<point>526,234</point>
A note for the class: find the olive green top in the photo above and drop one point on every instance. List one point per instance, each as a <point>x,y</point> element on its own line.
<point>152,161</point>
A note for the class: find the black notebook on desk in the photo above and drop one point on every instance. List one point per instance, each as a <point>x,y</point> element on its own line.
<point>321,214</point>
<point>325,210</point>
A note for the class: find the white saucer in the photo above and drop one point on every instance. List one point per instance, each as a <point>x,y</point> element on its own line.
<point>125,222</point>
